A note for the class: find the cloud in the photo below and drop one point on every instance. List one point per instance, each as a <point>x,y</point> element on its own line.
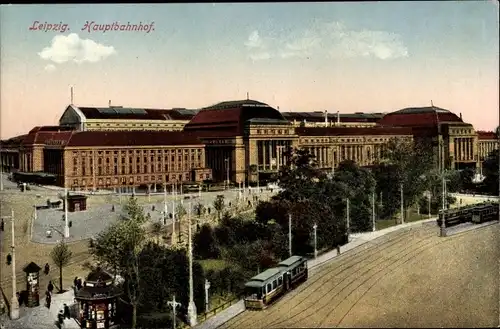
<point>331,39</point>
<point>50,67</point>
<point>71,48</point>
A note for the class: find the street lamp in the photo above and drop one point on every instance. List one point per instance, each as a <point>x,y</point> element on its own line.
<point>290,234</point>
<point>14,303</point>
<point>66,227</point>
<point>191,306</point>
<point>315,228</point>
<point>443,226</point>
<point>347,218</point>
<point>207,286</point>
<point>402,205</point>
<point>373,211</point>
<point>174,306</point>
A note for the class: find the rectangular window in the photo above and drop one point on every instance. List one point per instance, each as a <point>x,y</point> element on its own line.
<point>269,287</point>
<point>275,284</point>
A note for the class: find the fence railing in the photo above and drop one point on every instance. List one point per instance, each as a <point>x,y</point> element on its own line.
<point>205,315</point>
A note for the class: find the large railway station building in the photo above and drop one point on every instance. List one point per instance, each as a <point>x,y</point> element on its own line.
<point>238,141</point>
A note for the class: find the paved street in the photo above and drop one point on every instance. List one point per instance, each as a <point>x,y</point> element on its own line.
<point>97,217</point>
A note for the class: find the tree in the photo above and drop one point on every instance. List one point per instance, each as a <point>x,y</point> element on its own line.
<point>155,229</point>
<point>298,177</point>
<point>180,210</point>
<point>205,245</point>
<point>403,162</point>
<point>199,209</point>
<point>219,205</point>
<point>490,171</point>
<point>61,255</point>
<point>119,246</point>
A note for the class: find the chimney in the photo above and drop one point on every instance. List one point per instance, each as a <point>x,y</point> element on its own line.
<point>326,118</point>
<point>338,117</point>
<point>71,95</point>
<point>278,107</point>
<point>460,115</point>
<point>109,103</point>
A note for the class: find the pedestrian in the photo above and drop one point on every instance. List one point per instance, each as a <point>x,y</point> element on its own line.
<point>48,299</point>
<point>2,225</point>
<point>79,284</point>
<point>9,259</point>
<point>75,282</point>
<point>50,287</point>
<point>46,269</point>
<point>66,312</point>
<point>338,249</point>
<point>60,318</point>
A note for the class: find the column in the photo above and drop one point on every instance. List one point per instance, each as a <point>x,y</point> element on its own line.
<point>462,149</point>
<point>262,147</point>
<point>270,150</point>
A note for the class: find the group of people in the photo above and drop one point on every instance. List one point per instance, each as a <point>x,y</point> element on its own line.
<point>64,313</point>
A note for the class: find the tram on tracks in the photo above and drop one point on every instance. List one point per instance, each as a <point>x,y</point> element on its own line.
<point>265,288</point>
<point>477,213</point>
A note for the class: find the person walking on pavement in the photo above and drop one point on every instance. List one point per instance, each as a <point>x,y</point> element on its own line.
<point>60,319</point>
<point>48,299</point>
<point>46,269</point>
<point>50,287</point>
<point>67,314</point>
<point>2,226</point>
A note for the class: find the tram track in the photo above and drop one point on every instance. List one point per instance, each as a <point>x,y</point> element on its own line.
<point>324,274</point>
<point>347,280</point>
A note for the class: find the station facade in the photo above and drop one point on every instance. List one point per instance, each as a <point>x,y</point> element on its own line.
<point>237,141</point>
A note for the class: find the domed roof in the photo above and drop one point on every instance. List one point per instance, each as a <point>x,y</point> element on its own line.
<point>230,117</point>
<point>419,117</point>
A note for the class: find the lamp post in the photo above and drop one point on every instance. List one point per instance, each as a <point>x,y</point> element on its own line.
<point>192,306</point>
<point>290,234</point>
<point>347,218</point>
<point>315,228</point>
<point>66,226</point>
<point>165,208</point>
<point>173,215</point>
<point>207,286</point>
<point>429,205</point>
<point>402,205</point>
<point>14,303</point>
<point>1,176</point>
<point>174,306</point>
<point>443,226</point>
<point>373,211</point>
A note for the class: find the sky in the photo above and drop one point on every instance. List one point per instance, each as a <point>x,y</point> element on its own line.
<point>347,57</point>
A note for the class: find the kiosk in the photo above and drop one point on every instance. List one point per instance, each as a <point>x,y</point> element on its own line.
<point>32,271</point>
<point>97,301</point>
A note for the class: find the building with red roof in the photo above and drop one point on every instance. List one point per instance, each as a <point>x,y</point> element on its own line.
<point>237,141</point>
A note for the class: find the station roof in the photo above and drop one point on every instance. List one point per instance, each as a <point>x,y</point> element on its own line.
<point>429,116</point>
<point>483,135</point>
<point>231,116</point>
<point>132,113</point>
<point>112,138</point>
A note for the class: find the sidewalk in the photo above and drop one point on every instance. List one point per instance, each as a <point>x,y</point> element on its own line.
<point>42,318</point>
<point>356,240</point>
